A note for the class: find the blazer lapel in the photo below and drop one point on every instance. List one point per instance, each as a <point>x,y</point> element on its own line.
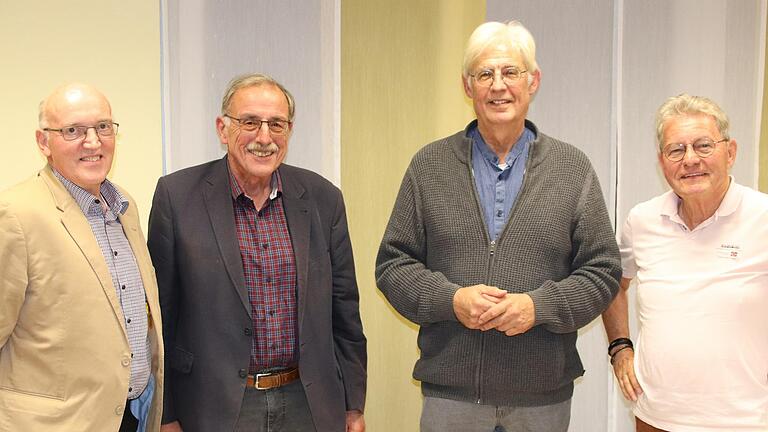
<point>299,226</point>
<point>217,197</point>
<point>79,229</point>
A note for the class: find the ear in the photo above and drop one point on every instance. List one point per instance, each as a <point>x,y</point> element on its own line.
<point>467,86</point>
<point>533,87</point>
<point>221,130</point>
<point>42,142</point>
<point>731,148</point>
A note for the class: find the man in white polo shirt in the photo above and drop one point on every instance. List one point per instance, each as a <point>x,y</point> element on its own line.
<point>700,256</point>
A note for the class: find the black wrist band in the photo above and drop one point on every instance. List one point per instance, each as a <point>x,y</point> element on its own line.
<point>619,341</point>
<point>619,350</point>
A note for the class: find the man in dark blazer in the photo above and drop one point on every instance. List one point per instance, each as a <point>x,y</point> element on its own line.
<point>257,283</point>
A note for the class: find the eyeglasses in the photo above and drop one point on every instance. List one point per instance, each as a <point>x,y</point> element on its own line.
<point>703,148</point>
<point>104,129</point>
<point>253,124</point>
<point>509,75</point>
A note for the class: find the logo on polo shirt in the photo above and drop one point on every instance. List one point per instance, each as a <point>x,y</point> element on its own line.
<point>730,251</point>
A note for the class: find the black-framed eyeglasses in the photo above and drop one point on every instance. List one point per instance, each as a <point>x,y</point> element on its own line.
<point>509,75</point>
<point>253,124</point>
<point>104,129</point>
<point>702,147</point>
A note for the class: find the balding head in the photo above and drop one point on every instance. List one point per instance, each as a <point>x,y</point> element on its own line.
<point>84,160</point>
<point>67,96</point>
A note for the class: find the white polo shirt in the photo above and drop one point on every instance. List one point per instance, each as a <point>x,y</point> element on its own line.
<point>702,352</point>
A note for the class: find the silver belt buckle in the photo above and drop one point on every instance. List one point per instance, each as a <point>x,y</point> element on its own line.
<point>257,380</point>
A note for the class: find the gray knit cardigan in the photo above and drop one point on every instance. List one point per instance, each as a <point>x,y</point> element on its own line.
<point>558,247</point>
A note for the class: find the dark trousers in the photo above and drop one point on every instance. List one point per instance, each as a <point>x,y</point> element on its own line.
<point>641,426</point>
<point>282,409</point>
<point>130,423</point>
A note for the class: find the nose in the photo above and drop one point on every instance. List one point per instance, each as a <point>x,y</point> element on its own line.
<point>690,157</point>
<point>91,138</point>
<point>262,134</point>
<point>498,81</point>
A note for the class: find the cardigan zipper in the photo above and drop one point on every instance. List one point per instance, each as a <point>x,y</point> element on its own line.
<point>479,374</point>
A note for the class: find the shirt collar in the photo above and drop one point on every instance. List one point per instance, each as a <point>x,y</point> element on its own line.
<point>117,204</point>
<point>275,183</point>
<point>728,205</point>
<point>519,148</point>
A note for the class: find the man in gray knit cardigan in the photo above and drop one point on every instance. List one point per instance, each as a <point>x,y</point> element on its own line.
<point>500,247</point>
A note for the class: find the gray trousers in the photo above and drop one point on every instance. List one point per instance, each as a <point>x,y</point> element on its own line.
<point>283,409</point>
<point>445,415</point>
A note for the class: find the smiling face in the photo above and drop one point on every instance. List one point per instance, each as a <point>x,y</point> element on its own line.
<point>254,156</point>
<point>501,105</point>
<point>694,177</point>
<point>86,161</point>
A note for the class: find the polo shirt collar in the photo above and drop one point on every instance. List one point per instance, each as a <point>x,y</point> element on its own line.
<point>730,204</point>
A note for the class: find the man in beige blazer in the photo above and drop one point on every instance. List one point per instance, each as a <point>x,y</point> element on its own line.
<point>80,341</point>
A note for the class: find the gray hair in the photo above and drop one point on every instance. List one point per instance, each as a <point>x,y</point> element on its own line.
<point>512,34</point>
<point>254,80</point>
<point>687,105</point>
<point>42,117</point>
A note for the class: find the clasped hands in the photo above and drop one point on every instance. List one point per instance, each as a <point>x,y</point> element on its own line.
<point>483,307</point>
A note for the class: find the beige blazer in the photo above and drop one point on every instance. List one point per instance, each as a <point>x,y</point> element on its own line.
<point>64,354</point>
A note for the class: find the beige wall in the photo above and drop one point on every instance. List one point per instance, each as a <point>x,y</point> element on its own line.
<point>400,89</point>
<point>114,45</point>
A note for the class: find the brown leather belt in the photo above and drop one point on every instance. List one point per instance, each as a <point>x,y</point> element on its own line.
<point>268,381</point>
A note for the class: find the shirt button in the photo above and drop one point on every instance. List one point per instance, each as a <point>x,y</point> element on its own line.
<point>122,287</point>
<point>242,373</point>
<point>273,346</point>
<point>128,320</point>
<point>130,389</point>
<point>268,279</point>
<point>265,245</point>
<point>115,253</point>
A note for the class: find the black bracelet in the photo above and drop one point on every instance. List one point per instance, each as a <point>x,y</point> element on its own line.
<point>619,350</point>
<point>618,342</point>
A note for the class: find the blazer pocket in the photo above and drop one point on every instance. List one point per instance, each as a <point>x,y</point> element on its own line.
<point>181,360</point>
<point>13,403</point>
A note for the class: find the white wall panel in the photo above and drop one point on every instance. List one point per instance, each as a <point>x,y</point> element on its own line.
<point>211,41</point>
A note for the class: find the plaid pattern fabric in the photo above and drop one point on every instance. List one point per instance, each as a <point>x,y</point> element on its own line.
<point>124,270</point>
<point>270,275</point>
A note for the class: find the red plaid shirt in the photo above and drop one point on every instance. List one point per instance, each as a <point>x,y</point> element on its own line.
<point>270,275</point>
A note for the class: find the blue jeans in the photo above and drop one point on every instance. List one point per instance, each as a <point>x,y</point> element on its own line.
<point>282,409</point>
<point>445,415</point>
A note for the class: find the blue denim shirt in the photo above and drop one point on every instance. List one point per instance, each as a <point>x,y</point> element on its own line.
<point>140,406</point>
<point>498,183</point>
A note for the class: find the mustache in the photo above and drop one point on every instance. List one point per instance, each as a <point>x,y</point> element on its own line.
<point>254,146</point>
